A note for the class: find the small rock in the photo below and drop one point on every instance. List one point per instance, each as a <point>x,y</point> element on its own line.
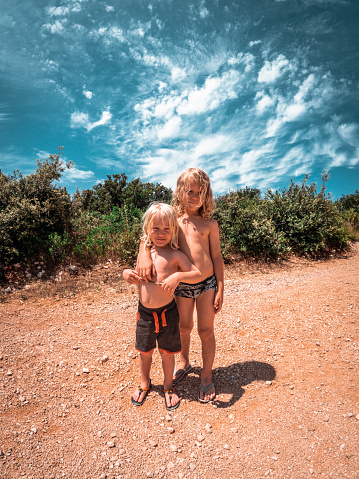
<point>226,446</point>
<point>9,373</point>
<point>149,474</point>
<point>153,443</point>
<point>326,419</point>
<point>8,290</point>
<point>85,370</point>
<point>268,383</point>
<point>168,418</point>
<point>173,448</point>
<point>170,430</point>
<point>110,444</point>
<point>104,359</point>
<point>200,438</point>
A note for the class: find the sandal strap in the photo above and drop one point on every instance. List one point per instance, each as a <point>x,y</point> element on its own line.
<point>142,390</point>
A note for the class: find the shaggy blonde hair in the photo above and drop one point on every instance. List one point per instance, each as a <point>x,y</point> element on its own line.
<point>206,195</point>
<point>167,214</point>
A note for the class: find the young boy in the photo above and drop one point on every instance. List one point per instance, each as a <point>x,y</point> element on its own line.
<point>157,317</point>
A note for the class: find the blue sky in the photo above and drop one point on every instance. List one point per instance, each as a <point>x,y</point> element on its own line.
<point>254,92</point>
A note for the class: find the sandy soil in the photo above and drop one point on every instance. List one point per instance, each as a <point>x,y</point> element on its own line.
<point>286,374</point>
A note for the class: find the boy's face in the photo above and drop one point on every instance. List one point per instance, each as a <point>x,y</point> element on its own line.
<point>192,196</point>
<point>160,233</point>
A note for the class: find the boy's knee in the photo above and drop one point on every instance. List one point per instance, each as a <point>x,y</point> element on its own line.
<point>186,328</point>
<point>205,333</point>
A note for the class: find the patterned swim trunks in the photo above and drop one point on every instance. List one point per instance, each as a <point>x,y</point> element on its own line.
<point>186,290</point>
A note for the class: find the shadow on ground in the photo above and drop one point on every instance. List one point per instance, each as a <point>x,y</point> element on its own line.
<point>228,381</point>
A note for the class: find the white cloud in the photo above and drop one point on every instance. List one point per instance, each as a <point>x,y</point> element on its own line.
<point>57,27</point>
<point>57,11</point>
<point>264,102</point>
<point>203,10</point>
<point>74,174</point>
<point>105,118</point>
<point>273,70</point>
<point>349,133</point>
<point>88,94</point>
<point>171,129</point>
<point>81,120</point>
<point>178,74</point>
<point>109,8</point>
<point>255,42</point>
<point>213,145</point>
<point>215,91</point>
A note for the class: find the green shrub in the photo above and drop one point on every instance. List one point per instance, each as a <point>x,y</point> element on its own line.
<point>31,208</point>
<point>99,236</point>
<point>308,219</point>
<point>244,227</point>
<point>115,191</point>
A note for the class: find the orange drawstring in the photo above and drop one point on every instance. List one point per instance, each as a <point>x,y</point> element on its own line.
<point>157,329</point>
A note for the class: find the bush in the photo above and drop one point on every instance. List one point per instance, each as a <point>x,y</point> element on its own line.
<point>115,192</point>
<point>31,208</point>
<point>308,219</point>
<point>116,235</point>
<point>244,227</point>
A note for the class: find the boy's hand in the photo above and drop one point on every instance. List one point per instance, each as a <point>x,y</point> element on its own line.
<point>218,302</point>
<point>131,276</point>
<point>145,267</point>
<point>170,284</point>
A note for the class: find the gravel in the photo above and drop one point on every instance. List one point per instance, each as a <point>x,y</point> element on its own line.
<point>286,374</point>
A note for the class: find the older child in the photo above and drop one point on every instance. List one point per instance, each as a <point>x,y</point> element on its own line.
<point>199,240</point>
<point>157,317</point>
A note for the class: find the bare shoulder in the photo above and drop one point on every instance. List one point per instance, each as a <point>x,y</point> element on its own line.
<point>212,224</point>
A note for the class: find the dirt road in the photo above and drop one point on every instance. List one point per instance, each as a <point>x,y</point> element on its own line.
<point>286,374</point>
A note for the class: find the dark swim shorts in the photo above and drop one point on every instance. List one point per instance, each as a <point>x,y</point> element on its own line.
<point>159,324</point>
<point>186,290</point>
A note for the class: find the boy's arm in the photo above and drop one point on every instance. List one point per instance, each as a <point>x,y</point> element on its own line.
<point>188,272</point>
<point>145,267</point>
<point>218,265</point>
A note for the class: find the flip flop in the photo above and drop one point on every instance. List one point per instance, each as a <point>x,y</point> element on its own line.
<point>204,390</point>
<point>142,390</point>
<point>182,373</point>
<point>170,392</point>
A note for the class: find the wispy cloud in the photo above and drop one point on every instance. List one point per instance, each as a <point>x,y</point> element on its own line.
<point>81,120</point>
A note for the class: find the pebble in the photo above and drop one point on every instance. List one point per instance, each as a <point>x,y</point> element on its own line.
<point>168,418</point>
<point>170,430</point>
<point>111,444</point>
<point>149,474</point>
<point>173,448</point>
<point>153,443</point>
<point>9,373</point>
<point>225,446</point>
<point>200,438</point>
<point>85,370</point>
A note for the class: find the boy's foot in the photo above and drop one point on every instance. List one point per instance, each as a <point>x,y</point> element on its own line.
<point>206,393</point>
<point>140,394</point>
<point>180,374</point>
<point>172,401</point>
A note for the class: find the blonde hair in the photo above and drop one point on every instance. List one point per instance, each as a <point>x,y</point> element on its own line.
<point>206,195</point>
<point>164,212</point>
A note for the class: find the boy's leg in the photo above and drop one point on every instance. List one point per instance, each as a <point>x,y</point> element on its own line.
<point>168,364</point>
<point>205,320</point>
<point>145,368</point>
<point>185,308</point>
